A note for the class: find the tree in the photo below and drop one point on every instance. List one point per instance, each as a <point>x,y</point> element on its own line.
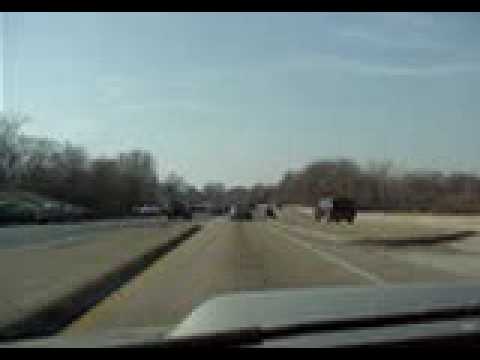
<point>174,188</point>
<point>106,187</point>
<point>376,186</point>
<point>41,169</point>
<point>10,149</point>
<point>75,174</point>
<point>139,180</point>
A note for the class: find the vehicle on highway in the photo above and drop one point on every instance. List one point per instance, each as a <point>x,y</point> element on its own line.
<point>52,211</point>
<point>323,208</point>
<point>270,211</point>
<point>77,213</point>
<point>147,210</point>
<point>179,210</point>
<point>218,210</point>
<point>201,208</point>
<point>261,210</point>
<point>118,121</point>
<point>336,209</point>
<point>266,211</point>
<point>58,212</point>
<point>28,212</point>
<point>241,212</point>
<point>19,212</point>
<point>208,208</point>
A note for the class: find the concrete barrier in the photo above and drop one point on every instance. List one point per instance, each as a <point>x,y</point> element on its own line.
<point>56,315</point>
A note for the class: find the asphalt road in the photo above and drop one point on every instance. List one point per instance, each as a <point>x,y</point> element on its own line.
<point>228,256</point>
<point>51,235</point>
<point>45,269</point>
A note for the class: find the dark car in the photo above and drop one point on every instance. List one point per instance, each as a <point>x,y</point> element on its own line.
<point>217,210</point>
<point>18,212</point>
<point>270,212</point>
<point>52,212</point>
<point>77,213</point>
<point>147,209</point>
<point>178,209</point>
<point>241,212</point>
<point>343,209</point>
<point>200,208</point>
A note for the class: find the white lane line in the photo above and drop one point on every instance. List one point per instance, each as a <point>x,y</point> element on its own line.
<point>334,259</point>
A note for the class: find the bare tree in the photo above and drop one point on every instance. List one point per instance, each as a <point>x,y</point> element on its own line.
<point>10,147</point>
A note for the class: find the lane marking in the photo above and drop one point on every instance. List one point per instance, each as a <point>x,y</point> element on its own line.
<point>334,259</point>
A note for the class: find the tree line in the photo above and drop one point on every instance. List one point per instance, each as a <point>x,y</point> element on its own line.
<point>107,185</point>
<point>378,186</point>
<point>114,184</point>
<point>65,172</point>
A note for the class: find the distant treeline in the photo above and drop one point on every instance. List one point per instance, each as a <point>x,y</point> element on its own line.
<point>378,187</point>
<point>62,171</point>
<point>113,185</point>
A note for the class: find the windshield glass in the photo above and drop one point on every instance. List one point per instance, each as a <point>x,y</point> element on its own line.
<point>152,161</point>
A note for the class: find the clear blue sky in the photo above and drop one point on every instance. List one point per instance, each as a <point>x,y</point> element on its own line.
<point>240,98</point>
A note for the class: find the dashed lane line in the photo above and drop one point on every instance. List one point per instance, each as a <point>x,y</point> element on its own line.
<point>333,259</point>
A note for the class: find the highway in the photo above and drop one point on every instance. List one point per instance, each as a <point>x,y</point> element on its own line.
<point>229,256</point>
<point>40,269</point>
<point>61,234</point>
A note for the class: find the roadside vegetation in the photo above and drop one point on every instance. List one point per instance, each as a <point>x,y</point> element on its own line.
<point>379,186</point>
<point>33,169</point>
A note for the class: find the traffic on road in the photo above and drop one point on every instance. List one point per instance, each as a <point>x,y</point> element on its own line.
<point>239,179</point>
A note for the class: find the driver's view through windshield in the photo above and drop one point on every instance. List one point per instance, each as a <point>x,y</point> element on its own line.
<point>151,163</point>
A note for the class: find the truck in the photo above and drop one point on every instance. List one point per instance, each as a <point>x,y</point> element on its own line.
<point>336,209</point>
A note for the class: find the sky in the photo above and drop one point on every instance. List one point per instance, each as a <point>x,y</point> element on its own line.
<point>242,97</point>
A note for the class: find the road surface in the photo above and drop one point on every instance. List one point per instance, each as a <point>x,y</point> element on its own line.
<point>40,269</point>
<point>231,256</point>
<point>52,235</point>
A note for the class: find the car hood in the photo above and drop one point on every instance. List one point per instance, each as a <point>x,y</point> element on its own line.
<point>280,308</point>
<point>277,308</point>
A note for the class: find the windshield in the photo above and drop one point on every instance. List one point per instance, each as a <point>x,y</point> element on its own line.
<point>152,161</point>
